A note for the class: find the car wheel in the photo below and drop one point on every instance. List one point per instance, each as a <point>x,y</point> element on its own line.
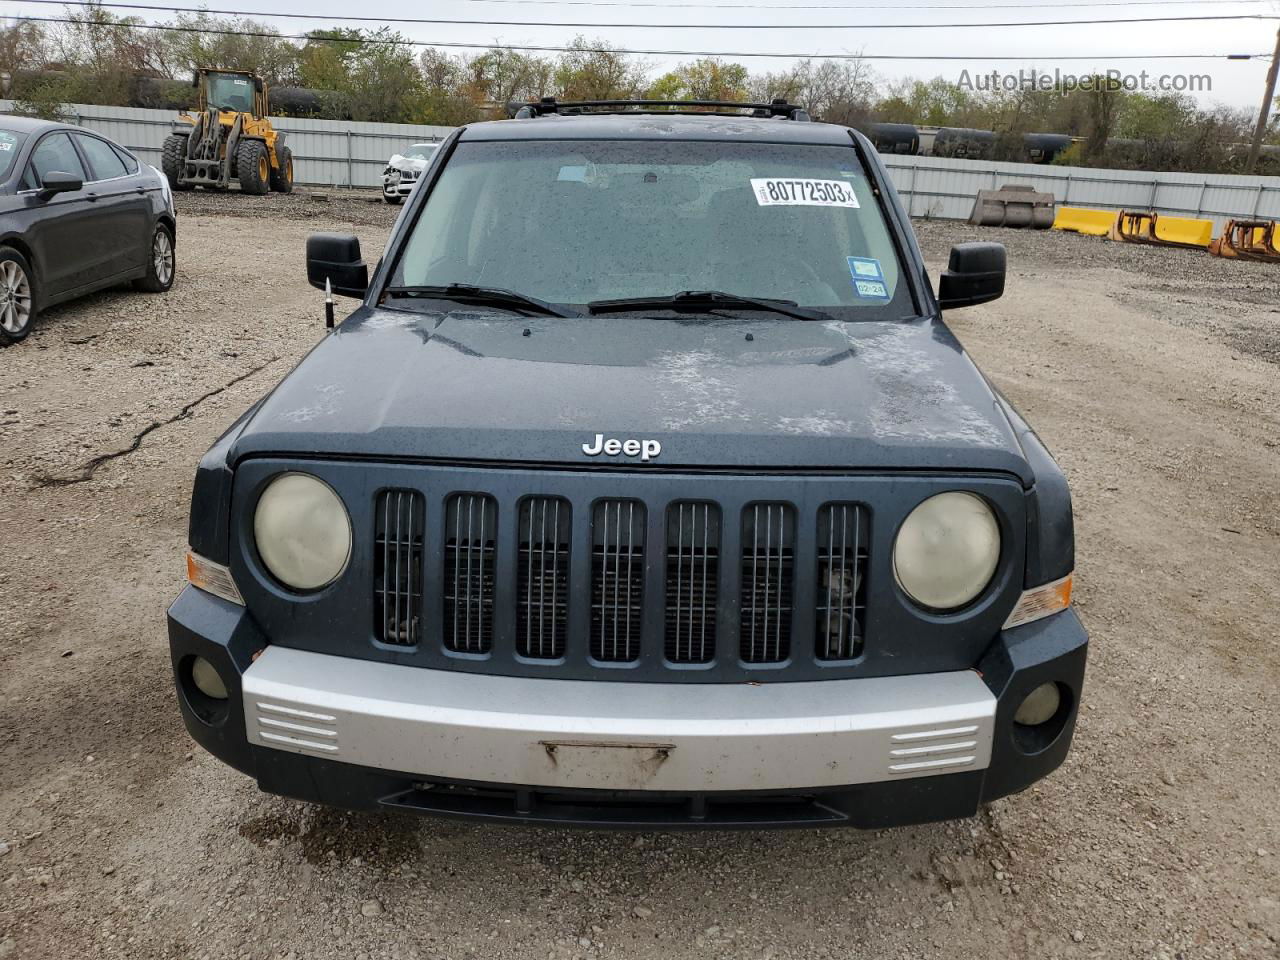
<point>393,200</point>
<point>282,179</point>
<point>17,297</point>
<point>162,262</point>
<point>173,159</point>
<point>252,167</point>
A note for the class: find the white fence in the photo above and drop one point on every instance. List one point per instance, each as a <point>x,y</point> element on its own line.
<point>339,153</point>
<point>945,188</point>
<point>331,152</point>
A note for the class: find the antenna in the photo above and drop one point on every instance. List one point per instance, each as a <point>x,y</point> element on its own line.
<point>328,304</point>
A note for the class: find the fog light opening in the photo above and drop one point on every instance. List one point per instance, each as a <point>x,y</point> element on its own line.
<point>204,690</point>
<point>1039,706</point>
<point>1041,717</point>
<point>207,679</point>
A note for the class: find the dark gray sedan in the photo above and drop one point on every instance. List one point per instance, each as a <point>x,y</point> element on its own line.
<point>77,213</point>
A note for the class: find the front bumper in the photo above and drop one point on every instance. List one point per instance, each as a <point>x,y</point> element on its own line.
<point>867,752</point>
<point>397,185</point>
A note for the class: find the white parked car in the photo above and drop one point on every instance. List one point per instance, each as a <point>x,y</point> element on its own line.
<point>403,170</point>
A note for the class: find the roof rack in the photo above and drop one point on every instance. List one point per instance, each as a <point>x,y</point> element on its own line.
<point>550,106</point>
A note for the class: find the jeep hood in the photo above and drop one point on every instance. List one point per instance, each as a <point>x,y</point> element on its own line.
<point>471,385</point>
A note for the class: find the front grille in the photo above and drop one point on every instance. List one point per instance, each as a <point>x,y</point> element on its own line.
<point>471,528</point>
<point>397,566</point>
<point>768,564</point>
<point>693,555</point>
<point>617,579</point>
<point>542,603</point>
<point>567,583</point>
<point>842,568</point>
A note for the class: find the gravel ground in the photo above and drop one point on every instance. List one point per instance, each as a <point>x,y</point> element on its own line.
<point>1151,373</point>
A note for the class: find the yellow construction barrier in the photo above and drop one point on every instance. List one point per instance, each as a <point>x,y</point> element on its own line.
<point>1184,231</point>
<point>1149,227</point>
<point>1096,223</point>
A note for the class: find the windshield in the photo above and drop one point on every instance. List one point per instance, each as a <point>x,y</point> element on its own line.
<point>573,222</point>
<point>421,151</point>
<point>10,144</point>
<point>231,91</point>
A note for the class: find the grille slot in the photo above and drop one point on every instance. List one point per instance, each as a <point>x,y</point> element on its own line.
<point>768,564</point>
<point>693,565</point>
<point>397,566</point>
<point>543,588</point>
<point>842,568</point>
<point>617,579</point>
<point>471,527</point>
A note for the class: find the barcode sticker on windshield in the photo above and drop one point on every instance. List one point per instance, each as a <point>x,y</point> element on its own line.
<point>774,191</point>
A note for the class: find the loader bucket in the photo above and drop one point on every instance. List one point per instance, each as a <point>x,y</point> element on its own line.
<point>1249,240</point>
<point>1143,227</point>
<point>1095,223</point>
<point>1013,206</point>
<point>1133,227</point>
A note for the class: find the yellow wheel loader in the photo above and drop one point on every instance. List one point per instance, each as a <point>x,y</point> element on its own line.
<point>229,138</point>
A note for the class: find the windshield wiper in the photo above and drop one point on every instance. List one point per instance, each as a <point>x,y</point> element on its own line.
<point>487,296</point>
<point>695,300</point>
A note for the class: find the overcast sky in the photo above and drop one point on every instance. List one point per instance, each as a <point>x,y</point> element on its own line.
<point>1236,83</point>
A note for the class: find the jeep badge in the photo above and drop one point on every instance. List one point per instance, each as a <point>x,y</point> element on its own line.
<point>644,449</point>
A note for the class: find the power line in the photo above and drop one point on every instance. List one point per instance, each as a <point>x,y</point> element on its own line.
<point>814,6</point>
<point>437,21</point>
<point>1024,58</point>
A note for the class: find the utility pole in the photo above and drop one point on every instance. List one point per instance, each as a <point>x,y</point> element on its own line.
<point>1264,116</point>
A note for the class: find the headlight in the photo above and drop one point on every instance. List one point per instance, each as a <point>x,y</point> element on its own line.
<point>946,551</point>
<point>302,531</point>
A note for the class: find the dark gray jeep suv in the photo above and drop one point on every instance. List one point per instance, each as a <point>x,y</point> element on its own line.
<point>646,487</point>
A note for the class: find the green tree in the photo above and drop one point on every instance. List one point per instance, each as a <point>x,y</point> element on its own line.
<point>593,70</point>
<point>230,43</point>
<point>384,83</point>
<point>705,79</point>
<point>446,98</point>
<point>325,60</point>
<point>839,91</point>
<point>23,47</point>
<point>500,76</point>
<point>103,53</point>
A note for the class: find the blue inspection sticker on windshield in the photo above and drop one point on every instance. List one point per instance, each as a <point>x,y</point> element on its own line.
<point>868,279</point>
<point>865,268</point>
<point>7,140</point>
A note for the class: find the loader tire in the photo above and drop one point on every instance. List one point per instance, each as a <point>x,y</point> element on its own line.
<point>172,157</point>
<point>253,168</point>
<point>282,179</point>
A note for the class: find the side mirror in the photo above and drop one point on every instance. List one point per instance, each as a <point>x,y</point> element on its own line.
<point>195,79</point>
<point>55,182</point>
<point>336,257</point>
<point>974,275</point>
<point>257,84</point>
